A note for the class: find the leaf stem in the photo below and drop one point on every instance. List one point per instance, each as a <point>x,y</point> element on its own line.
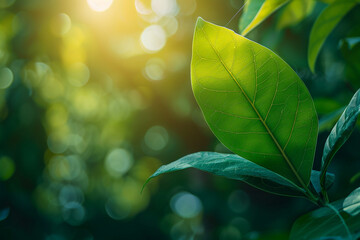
<point>325,195</point>
<point>341,219</point>
<point>315,199</point>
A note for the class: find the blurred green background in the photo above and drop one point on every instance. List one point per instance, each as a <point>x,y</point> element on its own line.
<point>95,95</point>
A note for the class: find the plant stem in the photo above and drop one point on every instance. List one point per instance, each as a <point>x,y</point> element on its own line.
<point>325,195</point>
<point>341,219</point>
<point>315,199</point>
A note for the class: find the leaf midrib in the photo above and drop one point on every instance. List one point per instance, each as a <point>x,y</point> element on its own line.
<point>258,114</point>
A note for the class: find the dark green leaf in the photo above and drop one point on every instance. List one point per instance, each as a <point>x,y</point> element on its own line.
<point>340,133</point>
<point>323,26</point>
<point>315,180</point>
<point>327,121</point>
<point>254,102</point>
<point>234,167</point>
<point>325,223</point>
<point>350,42</point>
<point>295,12</point>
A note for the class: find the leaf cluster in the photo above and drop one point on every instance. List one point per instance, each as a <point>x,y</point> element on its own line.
<point>259,108</point>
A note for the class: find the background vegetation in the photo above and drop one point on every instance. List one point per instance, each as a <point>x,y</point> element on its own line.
<point>92,103</point>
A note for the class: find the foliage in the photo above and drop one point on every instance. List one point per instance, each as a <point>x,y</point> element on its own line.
<point>324,24</point>
<point>324,223</point>
<point>258,107</point>
<point>95,95</point>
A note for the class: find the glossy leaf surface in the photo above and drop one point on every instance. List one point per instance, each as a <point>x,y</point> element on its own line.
<point>235,167</point>
<point>340,133</point>
<point>267,8</point>
<point>254,102</point>
<point>324,222</point>
<point>324,25</point>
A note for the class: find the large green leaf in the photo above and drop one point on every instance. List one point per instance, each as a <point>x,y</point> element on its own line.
<point>325,222</point>
<point>235,167</point>
<point>254,102</point>
<point>251,9</point>
<point>340,133</point>
<point>323,26</point>
<point>295,12</point>
<point>266,9</point>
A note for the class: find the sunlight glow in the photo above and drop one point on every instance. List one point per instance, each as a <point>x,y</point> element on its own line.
<point>154,69</point>
<point>99,5</point>
<point>165,7</point>
<point>153,38</point>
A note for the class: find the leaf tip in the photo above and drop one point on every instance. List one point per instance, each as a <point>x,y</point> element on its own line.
<point>311,65</point>
<point>200,22</point>
<point>145,184</point>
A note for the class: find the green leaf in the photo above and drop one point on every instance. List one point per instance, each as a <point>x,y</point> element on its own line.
<point>251,9</point>
<point>328,120</point>
<point>315,180</point>
<point>324,25</point>
<point>254,102</point>
<point>295,12</point>
<point>350,42</point>
<point>266,9</point>
<point>325,222</point>
<point>235,167</point>
<point>340,133</point>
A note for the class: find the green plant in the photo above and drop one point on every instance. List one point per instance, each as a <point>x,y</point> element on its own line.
<point>259,108</point>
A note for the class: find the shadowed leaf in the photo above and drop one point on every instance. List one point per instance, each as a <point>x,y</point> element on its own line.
<point>238,168</point>
<point>323,26</point>
<point>295,12</point>
<point>324,223</point>
<point>340,133</point>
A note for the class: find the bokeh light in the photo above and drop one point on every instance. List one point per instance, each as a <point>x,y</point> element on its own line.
<point>186,205</point>
<point>78,74</point>
<point>99,5</point>
<point>153,38</point>
<point>118,162</point>
<point>155,69</point>
<point>238,201</point>
<point>95,96</point>
<point>165,7</point>
<point>4,213</point>
<point>7,168</point>
<point>156,138</point>
<point>6,77</point>
<point>61,24</point>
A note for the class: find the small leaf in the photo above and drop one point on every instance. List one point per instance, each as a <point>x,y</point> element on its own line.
<point>266,9</point>
<point>234,167</point>
<point>315,180</point>
<point>254,103</point>
<point>323,26</point>
<point>340,133</point>
<point>328,120</point>
<point>295,12</point>
<point>350,42</point>
<point>251,9</point>
<point>324,223</point>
